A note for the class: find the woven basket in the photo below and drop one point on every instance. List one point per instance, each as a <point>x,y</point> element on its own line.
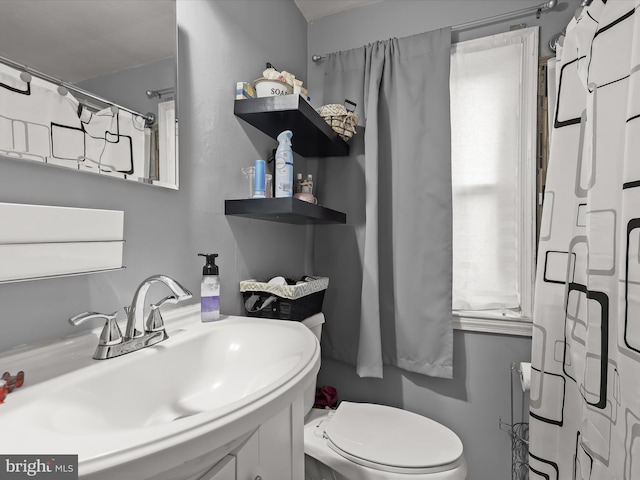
<point>341,119</point>
<point>283,302</point>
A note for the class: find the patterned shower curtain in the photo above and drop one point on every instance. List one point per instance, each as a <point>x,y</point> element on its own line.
<point>585,385</point>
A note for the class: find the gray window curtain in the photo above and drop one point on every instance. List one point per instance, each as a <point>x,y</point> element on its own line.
<point>400,193</point>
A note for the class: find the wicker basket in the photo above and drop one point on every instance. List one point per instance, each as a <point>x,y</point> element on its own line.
<point>342,119</point>
<point>283,302</point>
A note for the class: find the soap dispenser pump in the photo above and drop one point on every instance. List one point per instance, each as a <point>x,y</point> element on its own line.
<point>210,289</point>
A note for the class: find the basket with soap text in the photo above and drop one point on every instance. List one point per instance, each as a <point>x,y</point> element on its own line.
<point>294,301</point>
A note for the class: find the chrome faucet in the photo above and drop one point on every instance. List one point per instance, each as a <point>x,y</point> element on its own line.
<point>112,343</point>
<point>135,312</point>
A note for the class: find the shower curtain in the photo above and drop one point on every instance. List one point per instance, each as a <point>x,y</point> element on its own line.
<point>585,385</point>
<point>39,121</point>
<point>404,244</point>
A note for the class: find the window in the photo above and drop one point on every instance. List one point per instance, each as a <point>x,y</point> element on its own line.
<point>493,127</point>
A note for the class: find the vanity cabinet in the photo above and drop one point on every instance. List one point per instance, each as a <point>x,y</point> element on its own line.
<point>313,137</point>
<point>274,451</point>
<point>224,470</point>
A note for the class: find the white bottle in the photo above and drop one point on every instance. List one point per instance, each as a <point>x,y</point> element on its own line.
<point>284,165</point>
<point>210,289</point>
<point>307,186</point>
<point>298,183</point>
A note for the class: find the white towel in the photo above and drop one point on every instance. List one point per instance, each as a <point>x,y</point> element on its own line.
<point>525,375</point>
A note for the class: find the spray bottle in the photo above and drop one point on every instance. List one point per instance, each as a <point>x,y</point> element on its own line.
<point>210,289</point>
<point>284,165</point>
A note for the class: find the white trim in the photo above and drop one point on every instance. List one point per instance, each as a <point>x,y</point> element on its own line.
<point>520,328</point>
<point>167,144</point>
<point>528,164</point>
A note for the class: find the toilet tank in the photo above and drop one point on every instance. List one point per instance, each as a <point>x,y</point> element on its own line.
<point>313,323</point>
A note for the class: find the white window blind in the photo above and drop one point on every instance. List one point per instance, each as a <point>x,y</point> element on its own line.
<point>493,95</point>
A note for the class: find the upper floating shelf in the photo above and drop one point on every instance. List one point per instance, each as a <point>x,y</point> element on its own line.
<point>312,136</point>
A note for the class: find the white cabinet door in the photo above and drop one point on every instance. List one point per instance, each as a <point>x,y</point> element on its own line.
<point>248,459</point>
<point>225,469</point>
<point>282,444</point>
<point>274,451</point>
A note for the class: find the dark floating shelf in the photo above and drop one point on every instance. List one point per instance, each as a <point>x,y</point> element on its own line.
<point>285,210</point>
<point>312,136</point>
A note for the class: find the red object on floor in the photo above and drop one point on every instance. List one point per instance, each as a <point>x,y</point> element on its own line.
<point>326,396</point>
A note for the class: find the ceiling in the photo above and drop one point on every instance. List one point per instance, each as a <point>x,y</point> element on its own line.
<point>74,40</point>
<point>312,9</point>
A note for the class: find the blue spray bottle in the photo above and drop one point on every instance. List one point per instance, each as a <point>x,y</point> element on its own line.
<point>284,165</point>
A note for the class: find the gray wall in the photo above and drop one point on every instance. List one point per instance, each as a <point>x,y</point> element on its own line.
<point>128,87</point>
<point>479,394</point>
<point>220,42</point>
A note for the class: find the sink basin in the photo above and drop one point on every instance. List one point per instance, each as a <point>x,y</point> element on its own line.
<point>196,395</point>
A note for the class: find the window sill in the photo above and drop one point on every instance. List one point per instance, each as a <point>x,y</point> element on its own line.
<point>477,322</point>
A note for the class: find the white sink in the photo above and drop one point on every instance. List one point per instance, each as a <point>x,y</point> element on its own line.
<point>192,398</point>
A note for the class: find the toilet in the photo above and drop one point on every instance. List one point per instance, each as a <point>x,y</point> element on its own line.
<point>365,441</point>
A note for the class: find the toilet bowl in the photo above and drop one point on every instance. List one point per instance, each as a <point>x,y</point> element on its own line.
<point>364,441</point>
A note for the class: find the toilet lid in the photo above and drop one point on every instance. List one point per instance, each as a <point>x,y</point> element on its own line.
<point>391,439</point>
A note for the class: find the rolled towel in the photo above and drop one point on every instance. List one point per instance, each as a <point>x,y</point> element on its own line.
<point>525,375</point>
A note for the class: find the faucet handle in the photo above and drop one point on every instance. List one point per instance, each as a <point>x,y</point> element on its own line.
<point>155,323</point>
<point>111,334</point>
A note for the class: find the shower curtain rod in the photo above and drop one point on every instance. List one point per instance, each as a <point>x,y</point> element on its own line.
<point>543,7</point>
<point>163,92</point>
<point>149,118</point>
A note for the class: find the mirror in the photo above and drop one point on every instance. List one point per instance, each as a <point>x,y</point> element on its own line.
<point>100,81</point>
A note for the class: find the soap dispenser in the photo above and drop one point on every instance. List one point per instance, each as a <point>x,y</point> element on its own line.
<point>210,289</point>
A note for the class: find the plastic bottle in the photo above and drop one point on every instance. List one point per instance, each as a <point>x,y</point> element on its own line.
<point>298,183</point>
<point>210,289</point>
<point>258,186</point>
<point>307,186</point>
<point>284,165</point>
